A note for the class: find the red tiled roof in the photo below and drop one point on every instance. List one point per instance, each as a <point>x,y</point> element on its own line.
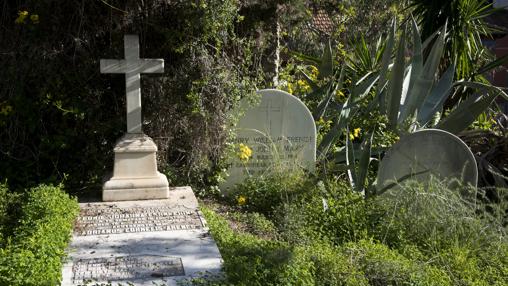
<point>322,22</point>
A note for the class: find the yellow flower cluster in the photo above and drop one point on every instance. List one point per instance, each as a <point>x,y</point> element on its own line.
<point>354,134</point>
<point>289,88</point>
<point>6,110</point>
<point>22,15</point>
<point>340,96</point>
<point>241,200</point>
<point>244,153</point>
<point>324,124</point>
<point>303,86</point>
<point>314,72</point>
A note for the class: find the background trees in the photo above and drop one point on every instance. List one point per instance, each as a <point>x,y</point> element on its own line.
<point>59,116</point>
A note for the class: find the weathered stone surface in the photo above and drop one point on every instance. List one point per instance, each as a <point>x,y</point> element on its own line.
<point>111,220</point>
<point>280,130</point>
<point>127,268</point>
<point>141,242</point>
<point>132,66</point>
<point>135,175</point>
<point>430,152</point>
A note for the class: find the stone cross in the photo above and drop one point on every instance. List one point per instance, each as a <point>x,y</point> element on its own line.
<point>269,109</point>
<point>132,66</point>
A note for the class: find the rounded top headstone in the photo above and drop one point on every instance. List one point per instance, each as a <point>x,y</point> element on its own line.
<point>426,153</point>
<point>278,129</point>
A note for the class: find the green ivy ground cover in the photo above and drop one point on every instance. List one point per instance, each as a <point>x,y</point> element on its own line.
<point>419,235</point>
<point>35,229</point>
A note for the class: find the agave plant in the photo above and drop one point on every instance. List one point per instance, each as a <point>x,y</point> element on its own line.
<point>409,90</point>
<point>412,94</point>
<point>333,76</point>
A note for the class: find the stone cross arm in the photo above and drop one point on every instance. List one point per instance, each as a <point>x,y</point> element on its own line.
<point>132,66</point>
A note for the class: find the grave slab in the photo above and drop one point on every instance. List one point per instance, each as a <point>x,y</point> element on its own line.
<point>141,242</point>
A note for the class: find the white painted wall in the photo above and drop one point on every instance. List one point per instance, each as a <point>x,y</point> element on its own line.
<point>501,3</point>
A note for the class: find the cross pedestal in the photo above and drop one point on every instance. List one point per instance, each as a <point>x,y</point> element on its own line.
<point>135,175</point>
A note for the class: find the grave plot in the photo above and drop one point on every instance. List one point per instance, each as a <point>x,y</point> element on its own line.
<point>141,242</point>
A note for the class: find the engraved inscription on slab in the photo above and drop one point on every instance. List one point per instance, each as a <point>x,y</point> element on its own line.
<point>129,267</point>
<point>113,220</point>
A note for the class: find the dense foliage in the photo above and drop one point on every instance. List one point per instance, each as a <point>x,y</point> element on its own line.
<point>56,123</point>
<point>467,27</point>
<point>62,125</point>
<point>329,235</point>
<point>34,238</point>
<point>366,82</point>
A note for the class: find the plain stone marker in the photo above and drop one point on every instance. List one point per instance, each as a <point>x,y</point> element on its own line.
<point>135,175</point>
<point>280,129</point>
<point>426,153</point>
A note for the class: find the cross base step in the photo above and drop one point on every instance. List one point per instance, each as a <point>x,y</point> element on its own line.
<point>131,189</point>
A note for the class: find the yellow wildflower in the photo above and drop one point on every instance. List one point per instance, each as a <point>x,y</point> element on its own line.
<point>244,153</point>
<point>34,18</point>
<point>21,17</point>
<point>290,88</point>
<point>321,121</point>
<point>6,110</point>
<point>354,134</point>
<point>339,95</point>
<point>241,200</point>
<point>303,85</point>
<point>357,132</point>
<point>314,72</point>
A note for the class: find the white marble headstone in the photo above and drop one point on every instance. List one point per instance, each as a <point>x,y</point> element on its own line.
<point>279,130</point>
<point>430,152</point>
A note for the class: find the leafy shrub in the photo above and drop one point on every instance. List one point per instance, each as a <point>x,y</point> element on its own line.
<point>432,216</point>
<point>331,210</point>
<point>248,260</point>
<point>445,226</point>
<point>9,211</point>
<point>321,264</point>
<point>265,193</point>
<point>493,262</point>
<point>383,266</point>
<point>33,256</point>
<point>4,204</point>
<point>54,123</point>
<point>466,267</point>
<point>255,223</point>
